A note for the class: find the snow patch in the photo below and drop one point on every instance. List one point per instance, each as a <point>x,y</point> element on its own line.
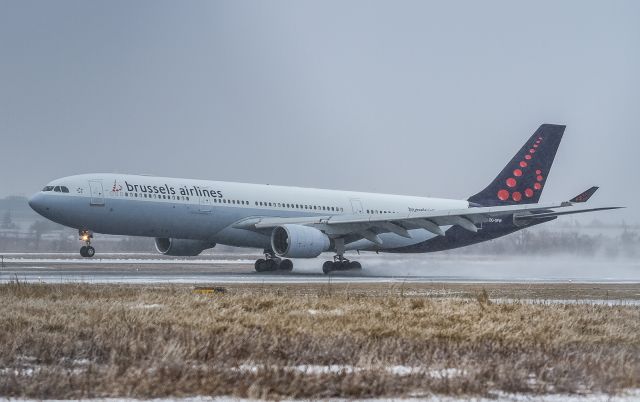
<point>314,369</point>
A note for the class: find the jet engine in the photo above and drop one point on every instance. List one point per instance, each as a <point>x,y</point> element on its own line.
<point>297,241</point>
<point>181,247</point>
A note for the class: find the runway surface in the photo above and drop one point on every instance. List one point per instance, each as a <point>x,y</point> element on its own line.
<point>232,268</point>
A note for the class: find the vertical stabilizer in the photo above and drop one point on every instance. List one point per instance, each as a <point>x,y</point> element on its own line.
<point>524,177</point>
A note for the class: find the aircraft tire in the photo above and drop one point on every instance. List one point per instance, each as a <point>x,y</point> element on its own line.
<point>90,252</point>
<point>327,267</point>
<point>272,264</point>
<point>83,251</point>
<point>260,265</point>
<point>286,265</point>
<point>355,265</point>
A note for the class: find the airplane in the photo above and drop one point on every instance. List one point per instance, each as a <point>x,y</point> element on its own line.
<point>187,216</point>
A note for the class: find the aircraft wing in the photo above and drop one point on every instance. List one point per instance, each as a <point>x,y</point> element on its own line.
<point>369,226</point>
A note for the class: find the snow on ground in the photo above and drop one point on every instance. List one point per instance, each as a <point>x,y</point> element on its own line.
<point>343,368</point>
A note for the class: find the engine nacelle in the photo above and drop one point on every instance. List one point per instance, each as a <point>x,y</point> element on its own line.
<point>297,241</point>
<point>181,247</point>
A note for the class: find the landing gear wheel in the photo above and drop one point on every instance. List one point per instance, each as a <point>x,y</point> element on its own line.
<point>273,264</point>
<point>286,265</point>
<point>327,267</point>
<point>90,252</point>
<point>260,265</point>
<point>83,251</point>
<point>269,264</point>
<point>355,265</point>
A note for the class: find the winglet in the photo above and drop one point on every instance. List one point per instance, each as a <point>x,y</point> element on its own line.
<point>584,197</point>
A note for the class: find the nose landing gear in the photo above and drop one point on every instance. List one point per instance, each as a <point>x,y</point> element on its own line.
<point>86,251</point>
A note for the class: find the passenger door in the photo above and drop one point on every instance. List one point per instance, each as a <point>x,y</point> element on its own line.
<point>356,206</point>
<point>97,193</point>
<point>205,204</point>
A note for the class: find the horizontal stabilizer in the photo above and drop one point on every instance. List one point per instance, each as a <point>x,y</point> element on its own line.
<point>584,197</point>
<point>553,214</point>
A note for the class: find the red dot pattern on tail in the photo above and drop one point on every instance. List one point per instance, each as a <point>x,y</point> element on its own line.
<point>503,195</point>
<point>511,182</point>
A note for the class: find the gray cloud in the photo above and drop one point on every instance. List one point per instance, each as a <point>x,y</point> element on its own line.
<point>400,97</point>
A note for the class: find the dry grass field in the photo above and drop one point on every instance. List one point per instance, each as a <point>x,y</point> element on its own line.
<point>303,341</point>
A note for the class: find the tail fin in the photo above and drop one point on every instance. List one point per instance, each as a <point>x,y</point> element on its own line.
<point>524,177</point>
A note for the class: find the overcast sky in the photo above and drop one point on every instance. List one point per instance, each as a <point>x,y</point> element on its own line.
<point>420,98</point>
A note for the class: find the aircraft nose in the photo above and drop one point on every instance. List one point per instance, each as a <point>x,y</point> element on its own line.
<point>36,202</point>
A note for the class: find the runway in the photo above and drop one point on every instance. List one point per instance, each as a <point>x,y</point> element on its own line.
<point>235,268</point>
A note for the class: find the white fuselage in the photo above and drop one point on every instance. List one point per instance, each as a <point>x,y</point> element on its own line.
<point>208,210</point>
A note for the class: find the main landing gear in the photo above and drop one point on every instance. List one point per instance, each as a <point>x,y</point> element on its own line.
<point>340,263</point>
<point>271,262</point>
<point>86,250</point>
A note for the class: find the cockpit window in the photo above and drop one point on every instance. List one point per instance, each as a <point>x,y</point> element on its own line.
<point>57,189</point>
